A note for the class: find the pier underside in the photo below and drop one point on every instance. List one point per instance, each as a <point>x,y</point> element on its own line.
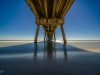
<point>49,14</point>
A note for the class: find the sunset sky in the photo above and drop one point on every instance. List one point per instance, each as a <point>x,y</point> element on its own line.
<point>82,22</point>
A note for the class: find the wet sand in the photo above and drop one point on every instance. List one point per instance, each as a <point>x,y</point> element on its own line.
<point>50,58</point>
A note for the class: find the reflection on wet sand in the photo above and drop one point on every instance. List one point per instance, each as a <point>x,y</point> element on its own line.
<point>49,50</point>
<point>49,58</point>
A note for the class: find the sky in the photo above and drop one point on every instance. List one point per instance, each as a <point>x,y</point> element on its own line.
<point>82,22</point>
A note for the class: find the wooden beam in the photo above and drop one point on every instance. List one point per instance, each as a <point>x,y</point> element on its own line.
<point>40,3</point>
<point>49,21</point>
<point>36,35</point>
<point>45,7</point>
<point>58,6</point>
<point>63,34</point>
<point>31,5</point>
<point>54,6</point>
<point>66,8</point>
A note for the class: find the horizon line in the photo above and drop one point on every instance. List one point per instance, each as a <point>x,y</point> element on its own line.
<point>42,40</point>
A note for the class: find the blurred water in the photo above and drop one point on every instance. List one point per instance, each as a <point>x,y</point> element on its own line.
<point>50,58</point>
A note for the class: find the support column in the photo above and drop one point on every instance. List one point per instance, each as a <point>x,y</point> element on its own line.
<point>63,34</point>
<point>54,36</point>
<point>36,35</point>
<point>44,36</point>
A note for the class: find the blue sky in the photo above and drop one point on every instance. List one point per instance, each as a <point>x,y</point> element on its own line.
<point>17,22</point>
